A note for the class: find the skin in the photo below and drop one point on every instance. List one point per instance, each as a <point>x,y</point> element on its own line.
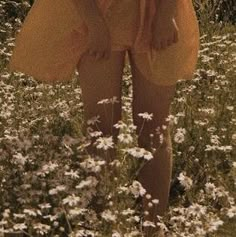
<point>165,29</point>
<point>103,80</point>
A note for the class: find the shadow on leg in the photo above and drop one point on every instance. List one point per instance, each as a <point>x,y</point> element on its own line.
<point>101,80</point>
<point>155,176</point>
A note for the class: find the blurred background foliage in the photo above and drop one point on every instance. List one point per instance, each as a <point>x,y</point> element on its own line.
<point>207,10</point>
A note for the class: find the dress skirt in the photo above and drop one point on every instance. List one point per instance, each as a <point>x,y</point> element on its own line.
<point>53,38</point>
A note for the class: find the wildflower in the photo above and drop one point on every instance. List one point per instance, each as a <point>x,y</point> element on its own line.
<point>147,155</point>
<point>21,216</point>
<point>137,189</point>
<point>108,216</point>
<point>20,159</point>
<point>215,139</point>
<point>115,163</point>
<point>146,116</point>
<point>139,153</point>
<point>115,234</point>
<point>45,206</point>
<point>225,148</point>
<point>211,189</point>
<point>104,143</point>
<point>61,188</point>
<point>179,137</point>
<point>90,181</point>
<point>148,196</point>
<point>120,125</point>
<point>68,140</point>
<point>234,164</point>
<point>234,138</point>
<point>150,204</point>
<point>30,212</point>
<point>211,148</point>
<point>20,226</point>
<point>125,138</point>
<point>47,168</point>
<point>94,120</point>
<point>132,127</point>
<point>231,212</point>
<point>82,233</point>
<point>95,134</point>
<point>128,212</point>
<point>221,192</point>
<point>155,201</point>
<point>185,181</point>
<point>53,191</point>
<point>114,100</point>
<point>214,225</point>
<point>211,129</point>
<point>122,189</point>
<point>71,200</point>
<point>191,149</point>
<point>77,211</point>
<point>161,138</point>
<point>208,110</point>
<point>73,174</point>
<point>41,228</point>
<point>103,101</point>
<point>197,210</point>
<point>230,108</point>
<point>149,224</point>
<point>92,165</point>
<point>172,119</point>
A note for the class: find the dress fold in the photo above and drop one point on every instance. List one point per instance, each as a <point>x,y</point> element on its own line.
<point>53,38</point>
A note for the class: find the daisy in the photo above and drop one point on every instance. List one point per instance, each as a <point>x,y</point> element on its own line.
<point>179,137</point>
<point>125,138</point>
<point>71,200</point>
<point>137,189</point>
<point>120,124</point>
<point>94,120</point>
<point>108,216</point>
<point>104,143</point>
<point>139,153</point>
<point>103,101</point>
<point>146,116</point>
<point>185,181</point>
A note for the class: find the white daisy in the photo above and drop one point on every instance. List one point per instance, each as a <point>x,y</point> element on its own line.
<point>104,143</point>
<point>108,216</point>
<point>137,189</point>
<point>185,181</point>
<point>146,116</point>
<point>125,138</point>
<point>71,200</point>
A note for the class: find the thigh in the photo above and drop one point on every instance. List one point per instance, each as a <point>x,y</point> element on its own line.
<point>149,97</point>
<point>100,79</point>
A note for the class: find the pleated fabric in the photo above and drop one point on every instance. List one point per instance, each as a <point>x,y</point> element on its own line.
<point>53,38</point>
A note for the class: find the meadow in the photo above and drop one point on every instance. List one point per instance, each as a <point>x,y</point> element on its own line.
<point>50,184</point>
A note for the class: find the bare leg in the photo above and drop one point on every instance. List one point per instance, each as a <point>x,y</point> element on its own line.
<point>99,80</point>
<point>156,174</point>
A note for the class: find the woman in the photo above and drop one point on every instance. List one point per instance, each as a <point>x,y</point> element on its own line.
<point>161,38</point>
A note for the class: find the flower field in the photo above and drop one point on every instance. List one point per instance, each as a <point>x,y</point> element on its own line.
<point>50,185</point>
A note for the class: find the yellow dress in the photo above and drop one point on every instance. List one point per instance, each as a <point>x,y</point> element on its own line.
<point>53,39</point>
